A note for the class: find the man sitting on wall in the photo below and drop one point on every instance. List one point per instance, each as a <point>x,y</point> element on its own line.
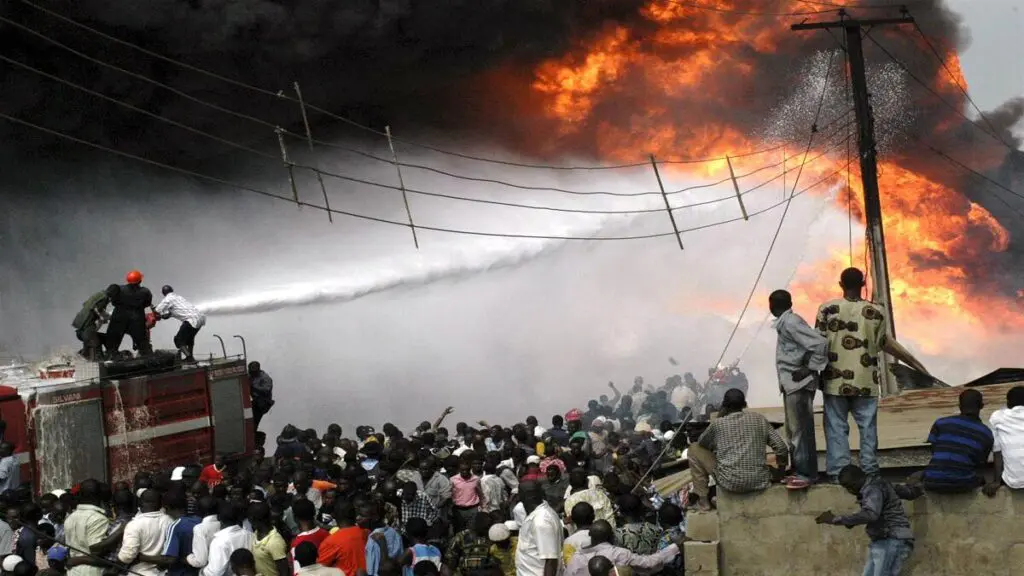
<point>733,449</point>
<point>960,448</point>
<point>1008,446</point>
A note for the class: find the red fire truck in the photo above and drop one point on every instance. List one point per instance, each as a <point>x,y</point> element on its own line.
<point>75,419</point>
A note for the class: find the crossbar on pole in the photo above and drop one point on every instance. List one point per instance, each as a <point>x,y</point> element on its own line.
<point>736,186</point>
<point>309,138</point>
<point>401,184</point>
<point>668,207</point>
<point>288,164</point>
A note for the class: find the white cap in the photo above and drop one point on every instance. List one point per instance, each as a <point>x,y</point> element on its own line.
<point>670,435</point>
<point>177,474</point>
<point>499,533</point>
<point>58,492</point>
<point>533,460</point>
<point>11,562</point>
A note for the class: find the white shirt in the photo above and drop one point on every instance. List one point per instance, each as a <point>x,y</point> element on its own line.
<point>181,309</point>
<point>1008,433</point>
<point>224,543</point>
<point>318,570</point>
<point>202,535</point>
<point>144,534</point>
<point>538,431</point>
<point>540,539</point>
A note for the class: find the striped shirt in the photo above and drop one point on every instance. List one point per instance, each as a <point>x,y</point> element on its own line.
<point>960,447</point>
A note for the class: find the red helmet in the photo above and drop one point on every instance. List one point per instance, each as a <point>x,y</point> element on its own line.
<point>574,415</point>
<point>134,277</point>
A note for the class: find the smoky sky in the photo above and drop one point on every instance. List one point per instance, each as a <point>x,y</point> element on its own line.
<point>402,62</point>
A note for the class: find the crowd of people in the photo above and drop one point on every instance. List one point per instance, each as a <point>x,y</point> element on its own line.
<point>488,500</point>
<point>574,497</point>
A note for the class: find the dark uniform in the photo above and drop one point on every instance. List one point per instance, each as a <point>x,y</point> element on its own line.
<point>130,317</point>
<point>88,320</point>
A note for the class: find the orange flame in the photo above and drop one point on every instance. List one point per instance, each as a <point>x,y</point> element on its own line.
<point>934,234</point>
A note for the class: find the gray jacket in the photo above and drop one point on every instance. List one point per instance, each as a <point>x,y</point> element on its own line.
<point>881,510</point>
<point>799,346</point>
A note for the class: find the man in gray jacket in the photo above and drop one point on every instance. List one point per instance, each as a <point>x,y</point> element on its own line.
<point>801,352</point>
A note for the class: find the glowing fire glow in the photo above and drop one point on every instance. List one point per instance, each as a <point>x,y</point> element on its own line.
<point>697,59</point>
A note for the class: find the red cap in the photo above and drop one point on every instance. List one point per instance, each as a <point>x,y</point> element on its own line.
<point>134,277</point>
<point>574,415</point>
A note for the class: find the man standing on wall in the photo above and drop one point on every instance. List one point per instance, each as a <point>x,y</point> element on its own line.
<point>856,333</point>
<point>800,355</point>
<point>261,390</point>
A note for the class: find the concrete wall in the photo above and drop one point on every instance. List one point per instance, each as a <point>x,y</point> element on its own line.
<point>774,534</point>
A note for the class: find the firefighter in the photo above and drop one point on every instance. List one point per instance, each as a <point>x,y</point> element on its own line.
<point>130,316</point>
<point>261,392</point>
<point>90,318</point>
<point>190,316</point>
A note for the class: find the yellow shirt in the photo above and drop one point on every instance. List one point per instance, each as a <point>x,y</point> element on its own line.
<point>856,333</point>
<point>507,556</point>
<point>268,551</point>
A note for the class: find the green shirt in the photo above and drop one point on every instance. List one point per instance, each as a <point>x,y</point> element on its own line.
<point>87,315</point>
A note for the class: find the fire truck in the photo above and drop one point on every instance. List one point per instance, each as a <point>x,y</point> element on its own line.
<point>73,419</point>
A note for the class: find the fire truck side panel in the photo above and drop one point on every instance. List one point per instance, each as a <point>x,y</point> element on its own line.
<point>12,410</point>
<point>68,434</point>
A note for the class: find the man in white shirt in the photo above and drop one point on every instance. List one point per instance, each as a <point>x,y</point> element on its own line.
<point>144,535</point>
<point>539,552</point>
<point>231,537</point>
<point>202,535</point>
<point>85,527</point>
<point>191,320</point>
<point>305,557</point>
<point>1007,426</point>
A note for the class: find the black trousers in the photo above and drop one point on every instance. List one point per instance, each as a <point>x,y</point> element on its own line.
<point>185,339</point>
<point>260,407</point>
<point>134,326</point>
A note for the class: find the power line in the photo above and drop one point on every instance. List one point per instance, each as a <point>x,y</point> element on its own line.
<point>369,182</point>
<point>956,81</point>
<point>297,136</point>
<point>967,168</point>
<point>936,94</point>
<point>281,95</point>
<point>274,196</point>
<point>711,8</point>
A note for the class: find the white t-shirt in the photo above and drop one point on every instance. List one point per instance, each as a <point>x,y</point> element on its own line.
<point>1008,433</point>
<point>540,539</point>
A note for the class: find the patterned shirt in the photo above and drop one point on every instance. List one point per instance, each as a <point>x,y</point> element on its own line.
<point>181,309</point>
<point>420,507</point>
<point>467,551</point>
<point>639,537</point>
<point>738,441</point>
<point>596,497</point>
<point>855,330</point>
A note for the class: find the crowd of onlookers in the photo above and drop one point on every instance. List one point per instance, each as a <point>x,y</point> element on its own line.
<point>573,497</point>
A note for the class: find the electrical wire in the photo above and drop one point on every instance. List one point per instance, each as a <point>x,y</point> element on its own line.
<point>372,183</point>
<point>952,107</point>
<point>963,90</point>
<point>279,95</point>
<point>967,168</point>
<point>297,136</point>
<point>764,264</point>
<point>264,193</point>
<point>710,8</point>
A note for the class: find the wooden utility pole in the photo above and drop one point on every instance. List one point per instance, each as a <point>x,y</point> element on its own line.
<point>868,163</point>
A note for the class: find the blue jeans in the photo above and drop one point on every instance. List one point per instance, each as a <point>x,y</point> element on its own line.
<point>887,557</point>
<point>837,432</point>
<point>800,433</point>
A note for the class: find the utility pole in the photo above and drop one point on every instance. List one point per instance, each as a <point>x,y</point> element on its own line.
<point>868,165</point>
